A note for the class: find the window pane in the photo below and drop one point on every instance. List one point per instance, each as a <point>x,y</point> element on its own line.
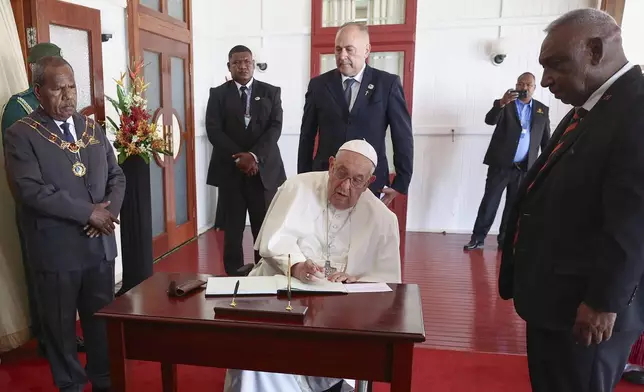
<point>154,4</point>
<point>74,45</point>
<point>392,62</point>
<point>152,75</point>
<point>177,77</point>
<point>327,62</point>
<point>157,190</point>
<point>371,12</point>
<point>180,175</point>
<point>175,9</point>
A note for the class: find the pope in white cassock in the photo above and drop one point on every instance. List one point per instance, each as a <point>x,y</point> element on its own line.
<point>333,227</point>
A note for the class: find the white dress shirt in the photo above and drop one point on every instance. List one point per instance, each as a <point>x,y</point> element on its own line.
<point>249,91</point>
<point>596,96</point>
<point>355,88</point>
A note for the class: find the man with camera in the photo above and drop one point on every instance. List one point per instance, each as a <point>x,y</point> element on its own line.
<point>522,126</point>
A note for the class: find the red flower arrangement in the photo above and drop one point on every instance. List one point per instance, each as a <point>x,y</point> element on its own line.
<point>136,135</point>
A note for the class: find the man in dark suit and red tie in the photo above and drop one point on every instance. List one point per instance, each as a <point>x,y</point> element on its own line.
<point>356,101</point>
<point>244,123</point>
<point>522,127</point>
<point>573,256</point>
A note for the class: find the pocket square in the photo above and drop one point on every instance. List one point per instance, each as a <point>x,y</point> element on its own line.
<point>179,290</point>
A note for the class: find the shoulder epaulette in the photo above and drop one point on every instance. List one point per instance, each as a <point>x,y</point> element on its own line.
<point>22,93</point>
<point>24,105</point>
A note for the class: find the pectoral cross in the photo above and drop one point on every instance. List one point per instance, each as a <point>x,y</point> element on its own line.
<point>328,270</point>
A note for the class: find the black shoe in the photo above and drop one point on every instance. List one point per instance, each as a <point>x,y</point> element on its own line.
<point>634,377</point>
<point>80,344</point>
<point>473,244</point>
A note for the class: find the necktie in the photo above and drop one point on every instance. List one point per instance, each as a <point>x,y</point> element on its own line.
<point>244,99</point>
<point>347,89</point>
<point>576,119</point>
<point>565,136</point>
<point>67,135</point>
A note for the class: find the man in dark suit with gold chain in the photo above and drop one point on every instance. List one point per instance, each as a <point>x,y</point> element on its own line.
<point>70,189</point>
<point>573,257</point>
<point>244,123</point>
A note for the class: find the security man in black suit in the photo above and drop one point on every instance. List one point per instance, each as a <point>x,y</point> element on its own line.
<point>70,190</point>
<point>244,123</point>
<point>356,101</point>
<point>522,126</point>
<point>573,257</point>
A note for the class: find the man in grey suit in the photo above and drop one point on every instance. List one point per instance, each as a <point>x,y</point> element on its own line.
<point>69,187</point>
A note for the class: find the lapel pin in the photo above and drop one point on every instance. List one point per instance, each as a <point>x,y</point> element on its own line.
<point>369,88</point>
<point>256,98</point>
<point>539,111</point>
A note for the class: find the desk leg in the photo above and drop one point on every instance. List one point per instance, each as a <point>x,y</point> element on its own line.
<point>402,367</point>
<point>169,377</point>
<point>117,355</point>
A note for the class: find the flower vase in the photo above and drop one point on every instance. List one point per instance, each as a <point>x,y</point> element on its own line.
<point>136,224</point>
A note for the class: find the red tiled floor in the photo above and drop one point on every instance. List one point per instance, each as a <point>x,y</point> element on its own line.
<point>461,306</point>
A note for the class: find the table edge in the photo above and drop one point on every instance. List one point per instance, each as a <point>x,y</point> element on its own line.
<point>407,337</point>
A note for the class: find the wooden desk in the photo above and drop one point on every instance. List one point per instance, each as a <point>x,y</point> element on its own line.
<point>367,336</point>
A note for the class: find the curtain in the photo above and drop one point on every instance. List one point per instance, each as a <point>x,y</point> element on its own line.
<point>14,308</point>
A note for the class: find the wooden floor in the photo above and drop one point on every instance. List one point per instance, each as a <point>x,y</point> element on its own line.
<point>461,306</point>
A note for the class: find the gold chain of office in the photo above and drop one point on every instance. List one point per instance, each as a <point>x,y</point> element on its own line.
<point>86,139</point>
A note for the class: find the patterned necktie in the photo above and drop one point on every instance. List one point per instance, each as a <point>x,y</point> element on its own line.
<point>67,135</point>
<point>244,100</point>
<point>347,89</point>
<point>565,136</point>
<point>576,119</point>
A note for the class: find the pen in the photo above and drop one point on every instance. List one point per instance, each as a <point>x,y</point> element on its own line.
<point>288,274</point>
<point>233,304</point>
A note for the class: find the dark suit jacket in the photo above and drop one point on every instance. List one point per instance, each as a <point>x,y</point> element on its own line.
<point>55,204</point>
<point>582,224</point>
<point>374,110</point>
<point>505,138</point>
<point>228,134</point>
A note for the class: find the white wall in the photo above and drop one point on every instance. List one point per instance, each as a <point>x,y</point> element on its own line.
<point>455,84</point>
<point>278,33</point>
<point>633,31</point>
<point>115,61</point>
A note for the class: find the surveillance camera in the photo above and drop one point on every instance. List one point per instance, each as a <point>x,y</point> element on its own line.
<point>262,66</point>
<point>497,59</point>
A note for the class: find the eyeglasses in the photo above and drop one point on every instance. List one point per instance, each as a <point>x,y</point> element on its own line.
<point>341,174</point>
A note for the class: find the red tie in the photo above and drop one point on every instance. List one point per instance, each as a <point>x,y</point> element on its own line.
<point>576,119</point>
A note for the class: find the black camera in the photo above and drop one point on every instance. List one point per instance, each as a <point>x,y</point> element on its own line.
<point>522,93</point>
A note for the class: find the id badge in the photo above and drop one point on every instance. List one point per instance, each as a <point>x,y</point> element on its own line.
<point>246,120</point>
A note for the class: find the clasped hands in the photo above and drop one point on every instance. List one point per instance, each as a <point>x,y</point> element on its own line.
<point>101,221</point>
<point>592,326</point>
<point>246,163</point>
<point>309,272</point>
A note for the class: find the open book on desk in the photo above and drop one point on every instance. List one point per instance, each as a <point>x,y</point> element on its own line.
<point>321,286</point>
<point>268,285</point>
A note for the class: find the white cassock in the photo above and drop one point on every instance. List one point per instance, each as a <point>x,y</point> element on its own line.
<point>362,241</point>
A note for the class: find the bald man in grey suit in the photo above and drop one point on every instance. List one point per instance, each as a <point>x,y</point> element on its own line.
<point>69,188</point>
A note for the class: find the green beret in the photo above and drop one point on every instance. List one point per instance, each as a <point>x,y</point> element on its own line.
<point>41,50</point>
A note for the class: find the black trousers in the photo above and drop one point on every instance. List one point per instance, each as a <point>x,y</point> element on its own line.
<point>558,364</point>
<point>60,294</point>
<point>248,195</point>
<point>31,294</point>
<point>498,179</point>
